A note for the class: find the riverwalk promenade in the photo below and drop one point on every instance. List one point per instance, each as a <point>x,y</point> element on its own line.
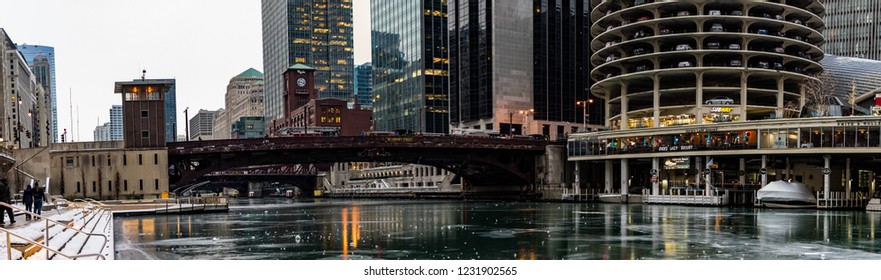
<point>83,229</point>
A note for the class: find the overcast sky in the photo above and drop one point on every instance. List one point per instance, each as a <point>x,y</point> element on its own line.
<point>201,43</point>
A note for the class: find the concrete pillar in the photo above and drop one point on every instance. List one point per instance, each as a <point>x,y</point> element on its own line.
<point>699,166</point>
<point>577,178</point>
<point>607,111</point>
<point>780,111</point>
<point>656,102</point>
<point>607,186</point>
<point>742,173</point>
<point>656,165</point>
<point>625,120</point>
<point>847,179</point>
<point>788,169</point>
<point>743,81</point>
<point>826,190</point>
<point>764,166</point>
<point>708,179</point>
<point>699,97</point>
<point>625,175</point>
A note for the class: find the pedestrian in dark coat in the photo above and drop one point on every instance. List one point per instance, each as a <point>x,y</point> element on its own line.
<point>28,199</point>
<point>39,196</point>
<point>5,197</point>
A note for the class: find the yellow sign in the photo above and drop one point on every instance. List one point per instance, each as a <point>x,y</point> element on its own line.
<point>721,109</point>
<point>164,195</point>
<point>317,193</point>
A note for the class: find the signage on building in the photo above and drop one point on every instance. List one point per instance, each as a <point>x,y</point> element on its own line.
<point>723,110</point>
<point>860,123</point>
<point>677,163</point>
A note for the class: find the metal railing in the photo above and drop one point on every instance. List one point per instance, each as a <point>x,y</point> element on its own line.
<point>48,250</point>
<point>46,232</point>
<point>204,203</point>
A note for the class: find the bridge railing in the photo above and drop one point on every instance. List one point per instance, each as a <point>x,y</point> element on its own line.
<point>353,141</point>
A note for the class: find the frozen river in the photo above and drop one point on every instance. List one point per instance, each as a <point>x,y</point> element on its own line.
<point>462,230</point>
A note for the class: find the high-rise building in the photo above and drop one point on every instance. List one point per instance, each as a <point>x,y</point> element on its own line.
<point>202,125</point>
<point>518,67</point>
<point>112,130</point>
<point>311,32</point>
<point>244,98</point>
<point>410,64</point>
<point>853,28</point>
<point>41,59</point>
<point>364,84</point>
<point>19,91</point>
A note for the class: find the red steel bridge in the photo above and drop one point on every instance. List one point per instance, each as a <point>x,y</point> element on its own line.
<point>480,161</point>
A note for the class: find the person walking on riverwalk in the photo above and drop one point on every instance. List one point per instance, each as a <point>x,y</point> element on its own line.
<point>28,199</point>
<point>39,196</point>
<point>5,197</point>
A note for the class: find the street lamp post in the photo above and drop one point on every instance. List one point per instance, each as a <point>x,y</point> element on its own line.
<point>585,105</point>
<point>187,123</point>
<point>526,119</point>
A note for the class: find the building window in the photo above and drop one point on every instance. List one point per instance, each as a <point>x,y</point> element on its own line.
<point>77,187</point>
<point>125,185</point>
<point>140,159</point>
<point>94,188</point>
<point>141,184</point>
<point>145,113</point>
<point>108,160</point>
<point>68,161</point>
<point>156,159</point>
<point>109,186</point>
<point>124,159</point>
<point>156,184</point>
<point>145,134</point>
<point>93,160</point>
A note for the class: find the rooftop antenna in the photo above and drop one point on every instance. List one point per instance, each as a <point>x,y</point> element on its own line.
<point>143,74</point>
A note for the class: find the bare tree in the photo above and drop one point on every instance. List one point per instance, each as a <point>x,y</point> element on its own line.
<point>819,92</point>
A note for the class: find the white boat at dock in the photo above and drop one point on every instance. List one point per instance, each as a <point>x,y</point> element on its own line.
<point>875,202</point>
<point>782,194</point>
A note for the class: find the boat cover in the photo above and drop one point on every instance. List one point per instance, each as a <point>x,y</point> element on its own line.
<point>785,191</point>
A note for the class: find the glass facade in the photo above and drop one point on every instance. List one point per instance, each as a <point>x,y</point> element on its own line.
<point>471,60</point>
<point>364,84</point>
<point>46,77</point>
<point>317,33</point>
<point>562,61</point>
<point>410,65</point>
<point>853,28</point>
<point>855,76</point>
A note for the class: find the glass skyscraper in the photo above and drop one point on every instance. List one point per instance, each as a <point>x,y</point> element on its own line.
<point>364,84</point>
<point>410,65</point>
<point>853,28</point>
<point>317,33</point>
<point>519,66</point>
<point>46,77</point>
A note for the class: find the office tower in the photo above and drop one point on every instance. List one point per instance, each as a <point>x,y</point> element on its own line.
<point>364,85</point>
<point>244,98</point>
<point>112,130</point>
<point>853,28</point>
<point>19,92</point>
<point>41,59</point>
<point>311,32</point>
<point>518,67</point>
<point>410,64</point>
<point>202,125</point>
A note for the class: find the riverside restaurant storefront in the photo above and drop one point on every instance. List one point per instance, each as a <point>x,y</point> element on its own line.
<point>834,154</point>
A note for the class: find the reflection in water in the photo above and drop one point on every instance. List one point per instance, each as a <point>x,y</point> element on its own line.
<point>339,229</point>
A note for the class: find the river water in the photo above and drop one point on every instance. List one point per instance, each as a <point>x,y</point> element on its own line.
<point>463,230</point>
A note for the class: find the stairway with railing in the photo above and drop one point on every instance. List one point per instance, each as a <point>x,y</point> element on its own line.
<point>80,233</point>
